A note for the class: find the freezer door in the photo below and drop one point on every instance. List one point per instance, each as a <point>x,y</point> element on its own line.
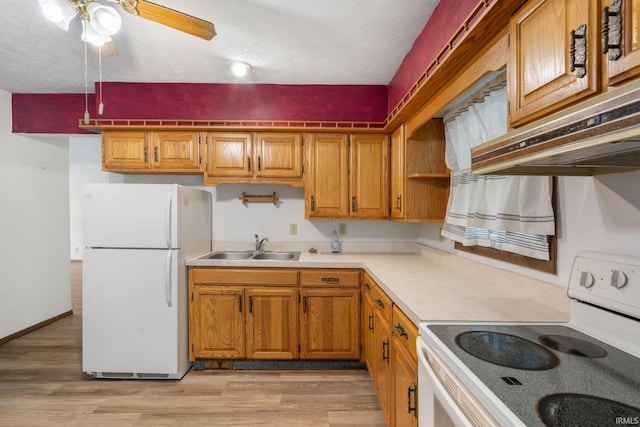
<point>130,216</point>
<point>134,317</point>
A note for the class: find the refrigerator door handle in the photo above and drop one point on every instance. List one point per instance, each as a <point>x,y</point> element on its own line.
<point>167,278</point>
<point>167,221</point>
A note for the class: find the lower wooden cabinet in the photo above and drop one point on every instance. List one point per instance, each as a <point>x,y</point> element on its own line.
<point>272,323</point>
<point>404,371</point>
<point>216,322</point>
<point>266,314</point>
<point>329,323</point>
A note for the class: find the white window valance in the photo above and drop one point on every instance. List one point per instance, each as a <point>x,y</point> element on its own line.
<point>509,213</point>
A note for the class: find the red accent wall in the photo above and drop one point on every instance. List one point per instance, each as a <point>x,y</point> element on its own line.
<point>49,113</point>
<point>447,17</point>
<point>367,103</point>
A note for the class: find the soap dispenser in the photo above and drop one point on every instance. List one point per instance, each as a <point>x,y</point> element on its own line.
<point>336,244</point>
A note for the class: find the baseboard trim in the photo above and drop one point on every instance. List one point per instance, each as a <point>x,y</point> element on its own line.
<point>34,327</point>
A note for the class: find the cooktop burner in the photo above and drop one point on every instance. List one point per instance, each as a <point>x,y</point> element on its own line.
<point>507,350</point>
<point>541,371</point>
<point>570,409</point>
<point>572,345</point>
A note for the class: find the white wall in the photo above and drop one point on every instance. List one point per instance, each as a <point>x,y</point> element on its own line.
<point>34,227</point>
<point>599,213</point>
<point>232,220</point>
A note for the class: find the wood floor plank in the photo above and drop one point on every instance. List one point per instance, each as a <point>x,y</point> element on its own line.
<point>42,384</point>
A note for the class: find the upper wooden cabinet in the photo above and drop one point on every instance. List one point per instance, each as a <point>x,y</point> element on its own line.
<point>347,176</point>
<point>151,152</point>
<point>564,51</point>
<point>622,52</point>
<point>420,178</point>
<point>254,158</point>
<point>554,57</point>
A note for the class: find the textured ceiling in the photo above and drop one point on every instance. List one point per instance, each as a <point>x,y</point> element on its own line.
<point>285,41</point>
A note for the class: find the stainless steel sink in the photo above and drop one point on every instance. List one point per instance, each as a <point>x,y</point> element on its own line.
<point>290,256</point>
<point>250,255</point>
<point>230,255</point>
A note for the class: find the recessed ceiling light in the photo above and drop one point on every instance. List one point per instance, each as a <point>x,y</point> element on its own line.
<point>240,69</point>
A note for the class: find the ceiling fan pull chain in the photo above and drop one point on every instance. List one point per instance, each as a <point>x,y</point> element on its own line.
<point>101,105</point>
<point>86,79</point>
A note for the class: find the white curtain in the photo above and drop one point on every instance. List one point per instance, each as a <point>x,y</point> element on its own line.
<point>509,213</point>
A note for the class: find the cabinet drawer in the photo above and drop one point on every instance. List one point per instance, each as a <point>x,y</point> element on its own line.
<point>330,277</point>
<point>382,303</point>
<point>405,330</point>
<point>246,276</point>
<point>368,286</point>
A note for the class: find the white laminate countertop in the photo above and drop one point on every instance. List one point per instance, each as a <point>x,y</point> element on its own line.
<point>428,286</point>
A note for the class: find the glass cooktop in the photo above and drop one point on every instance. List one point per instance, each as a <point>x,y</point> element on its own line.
<point>549,374</point>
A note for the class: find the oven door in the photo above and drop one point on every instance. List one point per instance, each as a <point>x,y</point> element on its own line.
<point>443,400</point>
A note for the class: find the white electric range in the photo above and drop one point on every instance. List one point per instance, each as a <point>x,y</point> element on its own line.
<point>582,373</point>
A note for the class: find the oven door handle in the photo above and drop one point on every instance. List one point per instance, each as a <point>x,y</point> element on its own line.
<point>442,395</point>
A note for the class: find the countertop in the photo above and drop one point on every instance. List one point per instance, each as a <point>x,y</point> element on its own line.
<point>430,285</point>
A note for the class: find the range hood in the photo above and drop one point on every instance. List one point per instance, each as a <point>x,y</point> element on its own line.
<point>601,135</point>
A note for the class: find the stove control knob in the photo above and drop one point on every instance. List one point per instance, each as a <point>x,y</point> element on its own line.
<point>618,279</point>
<point>586,279</point>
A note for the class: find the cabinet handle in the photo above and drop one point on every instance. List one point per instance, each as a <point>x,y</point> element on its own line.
<point>248,163</point>
<point>250,305</point>
<point>612,30</point>
<point>379,303</point>
<point>399,203</point>
<point>304,305</point>
<point>155,154</point>
<point>240,303</point>
<point>385,351</point>
<point>370,322</point>
<point>146,154</point>
<point>401,331</point>
<point>367,286</point>
<point>578,51</point>
<point>353,204</point>
<point>312,202</point>
<point>259,164</point>
<point>411,400</point>
<point>330,279</point>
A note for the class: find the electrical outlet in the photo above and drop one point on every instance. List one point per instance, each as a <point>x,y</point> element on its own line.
<point>293,229</point>
<point>342,229</point>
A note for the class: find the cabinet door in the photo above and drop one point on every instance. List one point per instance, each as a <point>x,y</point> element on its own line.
<point>125,151</point>
<point>404,412</point>
<point>398,173</point>
<point>368,328</point>
<point>278,155</point>
<point>229,155</point>
<point>369,185</point>
<point>623,62</point>
<point>382,362</point>
<point>329,323</point>
<point>176,151</point>
<point>272,323</point>
<point>541,79</point>
<point>328,176</point>
<point>217,325</point>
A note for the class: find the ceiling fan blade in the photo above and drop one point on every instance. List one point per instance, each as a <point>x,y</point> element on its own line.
<point>171,18</point>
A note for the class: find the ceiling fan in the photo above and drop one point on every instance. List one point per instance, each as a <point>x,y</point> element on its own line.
<point>104,21</point>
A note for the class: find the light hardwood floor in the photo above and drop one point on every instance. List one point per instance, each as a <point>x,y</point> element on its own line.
<point>41,383</point>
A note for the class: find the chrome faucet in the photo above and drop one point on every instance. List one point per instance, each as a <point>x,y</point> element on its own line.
<point>259,243</point>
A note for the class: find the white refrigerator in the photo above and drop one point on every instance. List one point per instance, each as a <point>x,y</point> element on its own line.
<point>134,278</point>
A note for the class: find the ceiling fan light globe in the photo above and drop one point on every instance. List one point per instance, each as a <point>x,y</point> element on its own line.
<point>61,12</point>
<point>91,36</point>
<point>104,19</point>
